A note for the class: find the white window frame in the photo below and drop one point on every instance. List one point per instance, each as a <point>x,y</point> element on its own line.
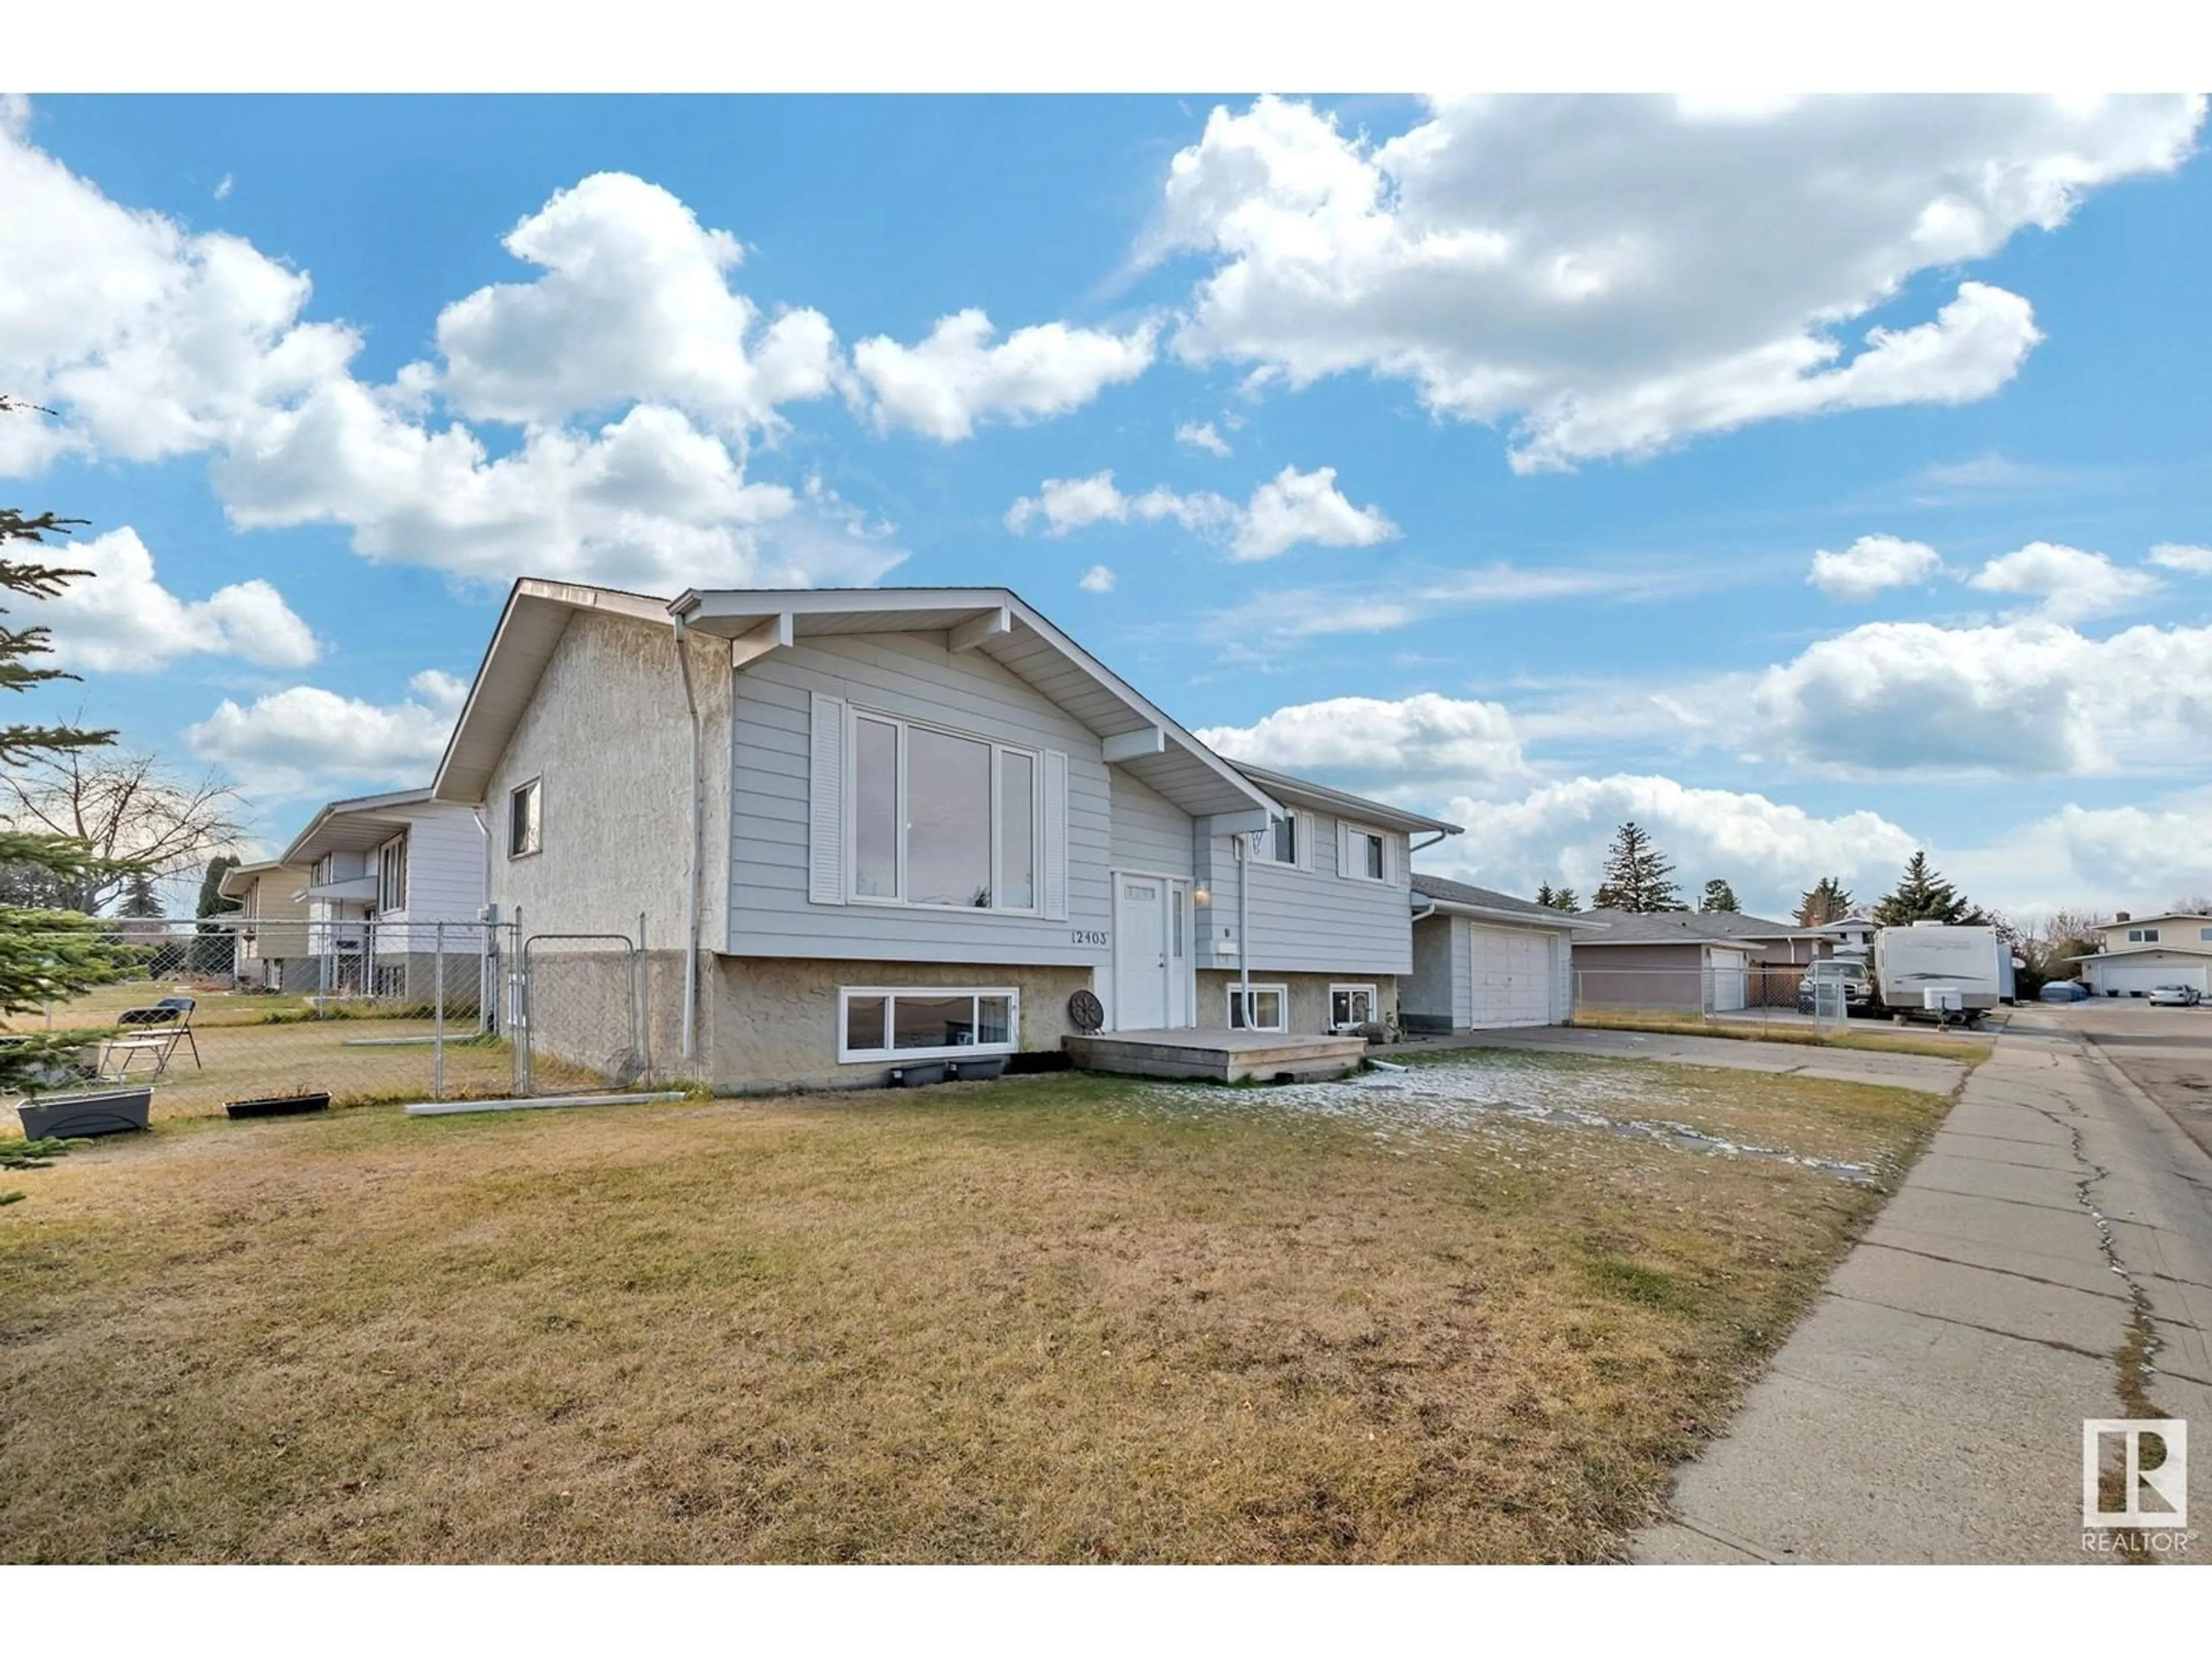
<point>535,788</point>
<point>904,724</point>
<point>1374,1007</point>
<point>386,866</point>
<point>1282,1005</point>
<point>1302,830</point>
<point>956,1051</point>
<point>2143,935</point>
<point>1348,834</point>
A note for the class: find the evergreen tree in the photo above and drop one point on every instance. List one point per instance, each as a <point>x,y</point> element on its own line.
<point>1828,901</point>
<point>1546,897</point>
<point>139,898</point>
<point>46,953</point>
<point>216,948</point>
<point>1921,895</point>
<point>1564,898</point>
<point>1719,896</point>
<point>1636,875</point>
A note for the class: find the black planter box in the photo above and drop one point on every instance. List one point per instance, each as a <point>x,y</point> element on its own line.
<point>74,1117</point>
<point>978,1070</point>
<point>279,1106</point>
<point>919,1075</point>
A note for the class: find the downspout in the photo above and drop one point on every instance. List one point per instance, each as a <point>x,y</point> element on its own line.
<point>1244,929</point>
<point>689,1041</point>
<point>1413,848</point>
<point>487,936</point>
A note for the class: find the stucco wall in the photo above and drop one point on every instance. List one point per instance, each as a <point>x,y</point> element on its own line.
<point>772,1022</point>
<point>607,732</point>
<point>1309,992</point>
<point>1428,994</point>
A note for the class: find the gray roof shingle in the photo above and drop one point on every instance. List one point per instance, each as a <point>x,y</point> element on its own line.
<point>1686,927</point>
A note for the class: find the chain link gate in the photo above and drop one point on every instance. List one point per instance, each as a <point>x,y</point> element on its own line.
<point>577,1014</point>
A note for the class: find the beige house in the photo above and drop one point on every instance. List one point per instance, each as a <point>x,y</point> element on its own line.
<point>270,926</point>
<point>2143,952</point>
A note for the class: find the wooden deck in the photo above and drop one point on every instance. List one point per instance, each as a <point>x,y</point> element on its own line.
<point>1218,1056</point>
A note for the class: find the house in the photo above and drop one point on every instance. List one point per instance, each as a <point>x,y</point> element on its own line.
<point>383,872</point>
<point>1484,959</point>
<point>862,827</point>
<point>1698,960</point>
<point>271,927</point>
<point>1853,936</point>
<point>2140,953</point>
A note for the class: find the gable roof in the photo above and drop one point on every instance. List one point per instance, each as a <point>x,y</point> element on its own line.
<point>353,825</point>
<point>239,879</point>
<point>1299,793</point>
<point>994,622</point>
<point>1688,927</point>
<point>1462,898</point>
<point>2151,921</point>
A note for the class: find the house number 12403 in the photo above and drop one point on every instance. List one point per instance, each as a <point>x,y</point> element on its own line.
<point>1089,935</point>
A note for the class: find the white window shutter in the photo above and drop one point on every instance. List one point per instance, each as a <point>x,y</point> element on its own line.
<point>1055,836</point>
<point>825,802</point>
<point>1343,847</point>
<point>1308,826</point>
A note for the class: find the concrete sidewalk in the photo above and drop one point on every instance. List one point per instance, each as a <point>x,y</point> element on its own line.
<point>1929,1407</point>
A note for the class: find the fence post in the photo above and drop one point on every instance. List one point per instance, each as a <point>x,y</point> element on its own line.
<point>641,1000</point>
<point>438,1005</point>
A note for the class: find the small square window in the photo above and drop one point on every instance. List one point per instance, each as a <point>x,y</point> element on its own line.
<point>1351,1005</point>
<point>1266,1013</point>
<point>523,825</point>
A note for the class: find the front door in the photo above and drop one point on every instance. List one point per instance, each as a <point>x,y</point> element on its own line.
<point>1140,953</point>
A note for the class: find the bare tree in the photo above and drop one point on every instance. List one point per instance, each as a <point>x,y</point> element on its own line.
<point>2066,933</point>
<point>131,811</point>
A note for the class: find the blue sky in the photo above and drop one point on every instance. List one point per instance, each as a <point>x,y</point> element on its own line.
<point>1475,455</point>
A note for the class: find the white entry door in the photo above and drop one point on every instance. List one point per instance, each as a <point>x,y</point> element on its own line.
<point>1141,995</point>
<point>1512,976</point>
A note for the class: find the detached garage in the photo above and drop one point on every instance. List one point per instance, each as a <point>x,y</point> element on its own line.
<point>2138,972</point>
<point>1483,959</point>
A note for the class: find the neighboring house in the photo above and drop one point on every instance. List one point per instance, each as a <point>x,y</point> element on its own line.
<point>382,871</point>
<point>1484,959</point>
<point>1685,959</point>
<point>270,924</point>
<point>869,826</point>
<point>2142,953</point>
<point>1851,937</point>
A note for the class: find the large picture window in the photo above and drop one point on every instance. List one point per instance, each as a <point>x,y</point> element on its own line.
<point>926,1022</point>
<point>942,818</point>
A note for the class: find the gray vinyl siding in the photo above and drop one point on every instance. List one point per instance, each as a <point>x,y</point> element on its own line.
<point>916,676</point>
<point>445,864</point>
<point>1315,920</point>
<point>1151,833</point>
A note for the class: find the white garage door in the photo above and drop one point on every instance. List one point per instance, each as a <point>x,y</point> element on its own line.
<point>1512,977</point>
<point>1730,974</point>
<point>2139,978</point>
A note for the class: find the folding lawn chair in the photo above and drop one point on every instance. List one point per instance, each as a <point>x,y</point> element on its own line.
<point>184,1006</point>
<point>154,1032</point>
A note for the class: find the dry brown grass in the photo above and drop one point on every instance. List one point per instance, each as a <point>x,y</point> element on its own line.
<point>1009,1321</point>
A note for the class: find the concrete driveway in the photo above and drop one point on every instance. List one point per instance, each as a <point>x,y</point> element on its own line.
<point>1923,1072</point>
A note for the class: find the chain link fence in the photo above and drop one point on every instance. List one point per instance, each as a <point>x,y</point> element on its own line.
<point>211,1013</point>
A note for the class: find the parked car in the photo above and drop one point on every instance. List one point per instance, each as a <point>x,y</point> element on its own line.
<point>2175,996</point>
<point>1856,990</point>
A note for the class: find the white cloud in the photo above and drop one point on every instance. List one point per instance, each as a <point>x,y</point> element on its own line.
<point>222,187</point>
<point>1200,435</point>
<point>2072,585</point>
<point>1288,509</point>
<point>1097,579</point>
<point>1872,564</point>
<point>304,741</point>
<point>2177,556</point>
<point>955,378</point>
<point>634,307</point>
<point>2023,698</point>
<point>122,620</point>
<point>1369,742</point>
<point>1769,852</point>
<point>1614,275</point>
<point>153,342</point>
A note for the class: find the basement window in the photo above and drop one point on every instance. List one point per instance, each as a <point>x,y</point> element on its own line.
<point>1270,1003</point>
<point>926,1022</point>
<point>1351,1005</point>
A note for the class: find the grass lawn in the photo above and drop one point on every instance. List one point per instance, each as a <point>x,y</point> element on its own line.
<point>1055,1318</point>
<point>252,1046</point>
